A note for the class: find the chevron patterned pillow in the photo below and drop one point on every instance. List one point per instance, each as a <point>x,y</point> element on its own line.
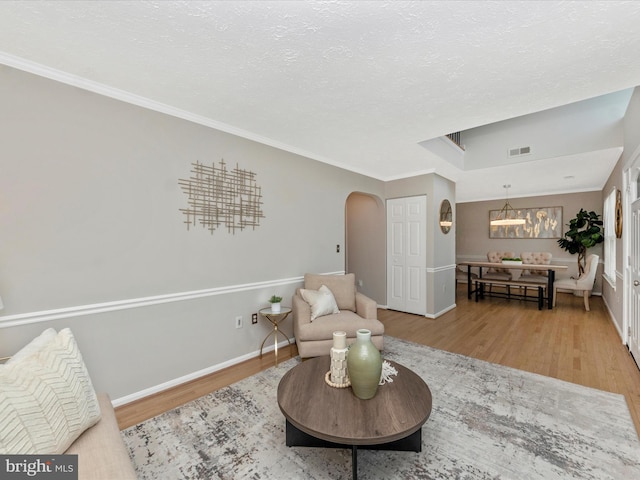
<point>46,399</point>
<point>34,345</point>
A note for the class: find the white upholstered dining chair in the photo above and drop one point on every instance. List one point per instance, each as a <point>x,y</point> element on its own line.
<point>537,277</point>
<point>584,282</point>
<point>535,258</point>
<point>498,273</point>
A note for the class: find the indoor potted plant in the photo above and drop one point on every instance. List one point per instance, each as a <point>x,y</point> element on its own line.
<point>275,303</point>
<point>512,261</point>
<point>585,231</point>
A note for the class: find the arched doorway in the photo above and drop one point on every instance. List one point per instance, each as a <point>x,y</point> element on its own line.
<point>365,244</point>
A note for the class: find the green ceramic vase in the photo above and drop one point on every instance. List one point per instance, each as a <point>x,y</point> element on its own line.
<point>364,365</point>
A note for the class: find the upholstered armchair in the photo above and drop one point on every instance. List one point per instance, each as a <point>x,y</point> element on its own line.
<point>584,282</point>
<point>315,317</point>
<point>498,273</point>
<point>535,258</point>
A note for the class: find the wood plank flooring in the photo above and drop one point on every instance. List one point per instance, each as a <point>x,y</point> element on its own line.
<point>567,343</point>
<point>148,407</point>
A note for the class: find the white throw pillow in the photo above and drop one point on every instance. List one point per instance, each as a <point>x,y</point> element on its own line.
<point>46,399</point>
<point>321,301</point>
<point>34,345</point>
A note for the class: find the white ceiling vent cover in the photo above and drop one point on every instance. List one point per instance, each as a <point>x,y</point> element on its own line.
<point>516,152</point>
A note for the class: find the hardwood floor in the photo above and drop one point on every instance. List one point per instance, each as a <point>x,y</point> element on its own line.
<point>567,343</point>
<point>145,408</point>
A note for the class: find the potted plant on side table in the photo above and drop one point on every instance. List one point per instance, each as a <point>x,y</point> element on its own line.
<point>275,303</point>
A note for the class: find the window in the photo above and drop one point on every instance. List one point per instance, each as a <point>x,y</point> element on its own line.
<point>610,237</point>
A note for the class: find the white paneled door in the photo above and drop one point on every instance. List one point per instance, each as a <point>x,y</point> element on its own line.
<point>406,254</point>
<point>634,318</point>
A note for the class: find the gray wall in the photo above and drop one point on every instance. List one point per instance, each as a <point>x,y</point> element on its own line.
<point>92,237</point>
<point>441,248</point>
<point>586,126</point>
<point>613,297</point>
<point>472,234</point>
<point>366,244</point>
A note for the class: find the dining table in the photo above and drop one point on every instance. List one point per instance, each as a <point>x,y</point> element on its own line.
<point>551,274</point>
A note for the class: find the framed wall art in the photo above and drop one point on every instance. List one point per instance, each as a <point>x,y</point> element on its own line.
<point>541,222</point>
<point>618,214</point>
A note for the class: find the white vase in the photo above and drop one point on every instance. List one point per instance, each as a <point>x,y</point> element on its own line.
<point>339,353</point>
<point>275,307</point>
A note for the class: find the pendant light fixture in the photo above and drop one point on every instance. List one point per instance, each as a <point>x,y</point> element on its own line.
<point>507,215</point>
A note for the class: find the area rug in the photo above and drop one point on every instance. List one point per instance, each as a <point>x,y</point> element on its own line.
<point>487,422</point>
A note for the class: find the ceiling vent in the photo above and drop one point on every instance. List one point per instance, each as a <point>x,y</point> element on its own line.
<point>455,138</point>
<point>517,152</point>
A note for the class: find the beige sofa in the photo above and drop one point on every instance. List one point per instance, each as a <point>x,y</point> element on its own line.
<point>315,338</point>
<point>51,407</point>
<point>101,451</point>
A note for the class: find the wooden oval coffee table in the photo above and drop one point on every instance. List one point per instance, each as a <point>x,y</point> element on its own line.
<point>318,415</point>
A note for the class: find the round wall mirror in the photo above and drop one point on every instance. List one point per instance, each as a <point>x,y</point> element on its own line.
<point>446,216</point>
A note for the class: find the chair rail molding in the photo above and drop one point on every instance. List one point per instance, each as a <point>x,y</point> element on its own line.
<point>443,268</point>
<point>91,309</point>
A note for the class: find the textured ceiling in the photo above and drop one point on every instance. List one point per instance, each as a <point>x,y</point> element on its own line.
<point>354,84</point>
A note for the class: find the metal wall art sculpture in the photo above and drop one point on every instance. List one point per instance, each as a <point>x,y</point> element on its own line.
<point>220,197</point>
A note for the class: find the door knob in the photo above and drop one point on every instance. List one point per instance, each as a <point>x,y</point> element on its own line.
<point>636,283</point>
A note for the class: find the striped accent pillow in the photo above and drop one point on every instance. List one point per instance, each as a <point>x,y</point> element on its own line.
<point>46,399</point>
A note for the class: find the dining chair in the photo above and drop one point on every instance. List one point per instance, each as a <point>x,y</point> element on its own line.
<point>583,283</point>
<point>498,273</point>
<point>536,277</point>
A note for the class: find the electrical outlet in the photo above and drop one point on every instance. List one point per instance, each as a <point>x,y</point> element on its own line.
<point>337,248</point>
<point>254,318</point>
<point>239,321</point>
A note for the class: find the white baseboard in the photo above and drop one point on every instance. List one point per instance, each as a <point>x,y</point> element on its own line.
<point>613,320</point>
<point>193,376</point>
<point>442,312</point>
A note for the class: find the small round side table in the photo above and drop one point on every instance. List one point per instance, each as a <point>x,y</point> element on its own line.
<point>275,319</point>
